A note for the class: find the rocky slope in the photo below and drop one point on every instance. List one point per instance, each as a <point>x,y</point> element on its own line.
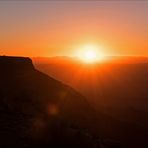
<point>37,110</point>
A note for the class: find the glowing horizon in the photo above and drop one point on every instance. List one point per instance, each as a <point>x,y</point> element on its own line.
<point>90,53</point>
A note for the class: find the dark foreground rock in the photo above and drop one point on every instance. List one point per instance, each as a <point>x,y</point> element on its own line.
<point>38,111</point>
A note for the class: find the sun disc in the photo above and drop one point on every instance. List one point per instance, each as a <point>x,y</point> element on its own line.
<point>90,54</point>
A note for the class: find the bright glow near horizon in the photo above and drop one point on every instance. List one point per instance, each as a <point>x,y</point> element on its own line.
<point>90,54</point>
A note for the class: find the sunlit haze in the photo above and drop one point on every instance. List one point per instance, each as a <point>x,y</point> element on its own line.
<point>56,28</point>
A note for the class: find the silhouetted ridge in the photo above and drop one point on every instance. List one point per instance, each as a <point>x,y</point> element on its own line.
<point>15,64</point>
<point>38,111</point>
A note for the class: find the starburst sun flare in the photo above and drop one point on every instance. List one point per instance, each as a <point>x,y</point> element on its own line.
<point>90,54</point>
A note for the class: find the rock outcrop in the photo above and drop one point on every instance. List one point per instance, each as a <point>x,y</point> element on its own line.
<point>35,109</point>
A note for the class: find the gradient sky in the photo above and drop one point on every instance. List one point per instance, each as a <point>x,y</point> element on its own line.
<point>50,28</point>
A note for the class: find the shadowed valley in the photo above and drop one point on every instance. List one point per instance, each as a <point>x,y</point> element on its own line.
<point>117,88</point>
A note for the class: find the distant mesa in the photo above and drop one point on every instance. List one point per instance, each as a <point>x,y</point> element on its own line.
<point>10,63</point>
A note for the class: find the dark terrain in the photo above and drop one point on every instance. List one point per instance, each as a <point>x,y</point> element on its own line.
<point>116,88</point>
<point>39,111</point>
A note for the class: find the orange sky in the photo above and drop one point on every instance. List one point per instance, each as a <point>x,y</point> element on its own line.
<point>58,28</point>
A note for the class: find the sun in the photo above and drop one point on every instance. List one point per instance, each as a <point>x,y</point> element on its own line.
<point>90,54</point>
